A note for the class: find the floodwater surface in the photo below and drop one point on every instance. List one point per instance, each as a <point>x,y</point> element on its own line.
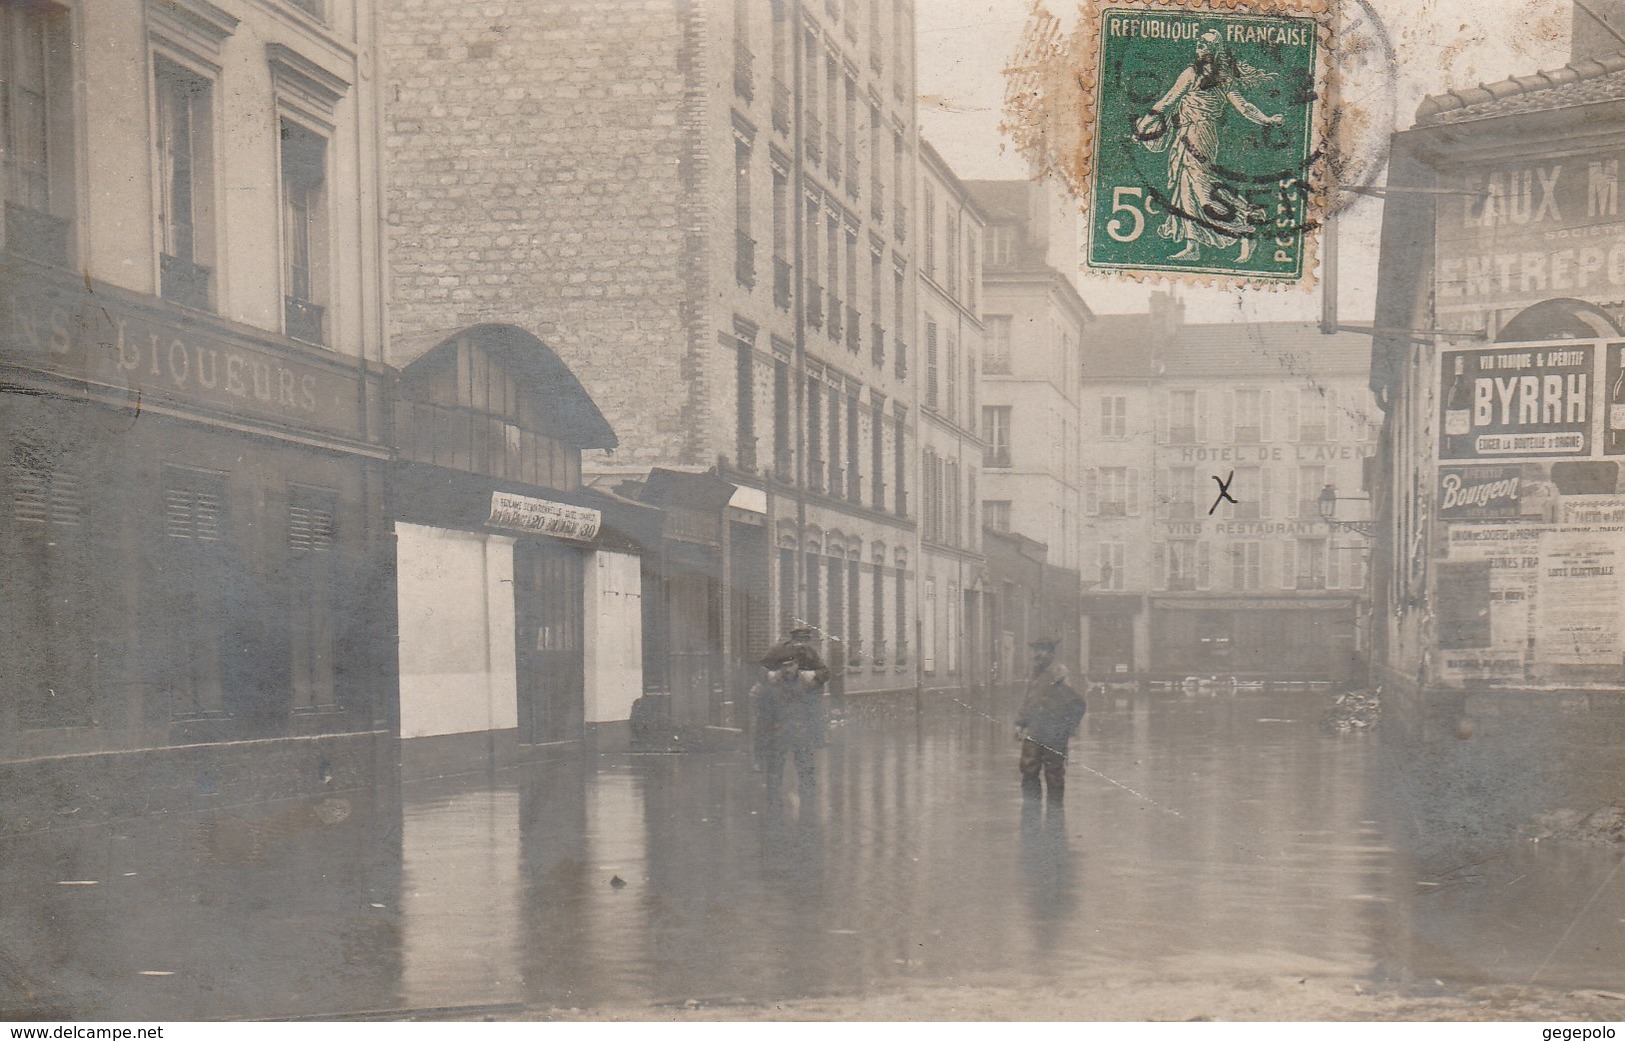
<point>1219,835</point>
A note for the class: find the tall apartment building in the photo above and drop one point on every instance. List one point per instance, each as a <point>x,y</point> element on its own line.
<point>194,550</point>
<point>704,209</point>
<point>952,570</point>
<point>1030,385</point>
<point>1257,581</point>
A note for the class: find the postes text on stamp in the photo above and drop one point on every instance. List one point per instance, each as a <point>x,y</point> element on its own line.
<point>1199,144</point>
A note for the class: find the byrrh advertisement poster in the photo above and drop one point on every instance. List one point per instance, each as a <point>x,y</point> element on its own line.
<point>1530,585</point>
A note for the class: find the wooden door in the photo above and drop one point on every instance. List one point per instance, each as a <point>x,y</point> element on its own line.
<point>548,591</point>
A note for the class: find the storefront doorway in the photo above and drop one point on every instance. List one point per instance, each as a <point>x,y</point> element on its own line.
<point>547,589</point>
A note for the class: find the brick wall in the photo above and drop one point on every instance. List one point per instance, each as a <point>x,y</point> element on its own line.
<point>539,158</point>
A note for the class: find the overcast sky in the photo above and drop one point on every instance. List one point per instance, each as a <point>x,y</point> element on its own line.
<point>1441,45</point>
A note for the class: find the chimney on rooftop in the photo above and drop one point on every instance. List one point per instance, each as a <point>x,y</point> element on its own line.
<point>1599,29</point>
<point>1167,315</point>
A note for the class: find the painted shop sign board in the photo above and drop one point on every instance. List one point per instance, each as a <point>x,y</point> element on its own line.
<point>1525,401</point>
<point>91,333</point>
<point>529,516</point>
<point>1480,492</point>
<point>1518,232</point>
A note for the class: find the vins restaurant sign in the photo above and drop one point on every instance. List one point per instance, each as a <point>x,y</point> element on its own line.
<point>1532,401</point>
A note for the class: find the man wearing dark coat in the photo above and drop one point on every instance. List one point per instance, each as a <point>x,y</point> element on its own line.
<point>790,707</point>
<point>1049,715</point>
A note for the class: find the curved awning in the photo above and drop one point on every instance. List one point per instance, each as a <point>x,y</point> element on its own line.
<point>1560,319</point>
<point>529,362</point>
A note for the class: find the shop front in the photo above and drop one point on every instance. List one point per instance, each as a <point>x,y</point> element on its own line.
<point>1297,638</point>
<point>518,590</point>
<point>192,552</point>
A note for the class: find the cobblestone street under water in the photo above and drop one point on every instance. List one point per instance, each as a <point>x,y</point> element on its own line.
<point>1211,841</point>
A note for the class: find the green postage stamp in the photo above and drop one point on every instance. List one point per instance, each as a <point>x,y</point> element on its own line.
<point>1199,144</point>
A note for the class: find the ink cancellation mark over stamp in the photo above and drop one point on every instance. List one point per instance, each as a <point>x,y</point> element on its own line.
<point>1193,132</point>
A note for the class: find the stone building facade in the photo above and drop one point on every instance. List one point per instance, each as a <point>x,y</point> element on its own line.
<point>1033,443</point>
<point>705,210</point>
<point>195,549</point>
<point>953,572</point>
<point>1278,417</point>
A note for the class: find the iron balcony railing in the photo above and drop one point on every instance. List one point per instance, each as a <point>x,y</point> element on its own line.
<point>744,84</point>
<point>781,106</point>
<point>744,259</point>
<point>184,282</point>
<point>303,320</point>
<point>781,282</point>
<point>36,235</point>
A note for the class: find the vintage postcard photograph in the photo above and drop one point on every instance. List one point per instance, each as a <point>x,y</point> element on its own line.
<point>669,512</point>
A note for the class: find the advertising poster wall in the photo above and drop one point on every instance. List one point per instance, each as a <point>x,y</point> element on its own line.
<point>1530,592</point>
<point>1579,598</point>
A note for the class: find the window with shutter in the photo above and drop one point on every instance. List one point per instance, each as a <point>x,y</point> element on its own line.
<point>1091,491</point>
<point>931,365</point>
<point>188,653</point>
<point>312,578</point>
<point>1289,565</point>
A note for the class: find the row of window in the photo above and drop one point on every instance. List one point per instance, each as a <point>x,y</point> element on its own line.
<point>943,368</point>
<point>834,295</point>
<point>948,498</point>
<point>959,273</point>
<point>37,110</point>
<point>899,40</point>
<point>833,603</point>
<point>850,446</point>
<point>1254,492</point>
<point>996,355</point>
<point>1246,415</point>
<point>1251,566</point>
<point>205,590</point>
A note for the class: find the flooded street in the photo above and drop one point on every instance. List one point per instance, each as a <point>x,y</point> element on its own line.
<point>1212,837</point>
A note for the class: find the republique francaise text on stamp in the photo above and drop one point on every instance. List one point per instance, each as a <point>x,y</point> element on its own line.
<point>1197,136</point>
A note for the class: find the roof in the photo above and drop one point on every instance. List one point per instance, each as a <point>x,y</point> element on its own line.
<point>1119,346</point>
<point>1280,349</point>
<point>529,361</point>
<point>1001,200</point>
<point>1586,82</point>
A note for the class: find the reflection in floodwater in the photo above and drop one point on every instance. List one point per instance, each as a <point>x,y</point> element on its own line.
<point>1201,836</point>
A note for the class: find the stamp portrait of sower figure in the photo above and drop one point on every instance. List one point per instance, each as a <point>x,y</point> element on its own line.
<point>1188,123</point>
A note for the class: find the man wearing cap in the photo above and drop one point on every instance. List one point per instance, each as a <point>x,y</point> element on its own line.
<point>790,707</point>
<point>1049,715</point>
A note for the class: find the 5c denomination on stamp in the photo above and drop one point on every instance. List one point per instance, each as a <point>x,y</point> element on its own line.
<point>1199,150</point>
